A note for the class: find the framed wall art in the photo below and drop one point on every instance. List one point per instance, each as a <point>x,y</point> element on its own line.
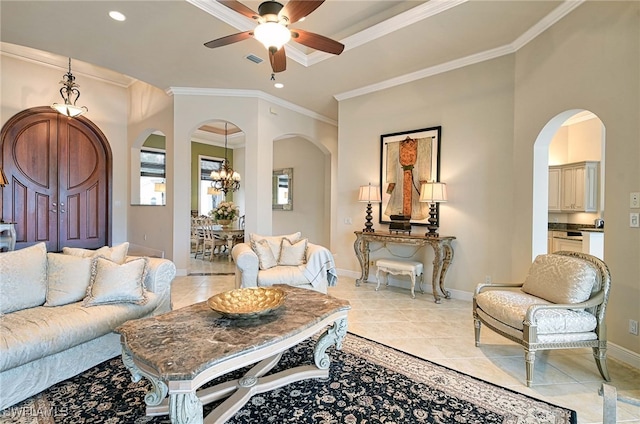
<point>408,159</point>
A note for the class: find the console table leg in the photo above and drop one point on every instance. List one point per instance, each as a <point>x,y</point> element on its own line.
<point>332,336</point>
<point>448,258</point>
<point>185,408</point>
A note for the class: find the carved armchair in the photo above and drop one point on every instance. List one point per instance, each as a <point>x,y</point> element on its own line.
<point>560,305</point>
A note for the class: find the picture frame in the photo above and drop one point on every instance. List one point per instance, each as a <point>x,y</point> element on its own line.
<point>420,152</point>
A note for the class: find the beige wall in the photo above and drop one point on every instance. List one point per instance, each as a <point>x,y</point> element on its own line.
<point>308,214</point>
<point>474,106</point>
<point>588,60</point>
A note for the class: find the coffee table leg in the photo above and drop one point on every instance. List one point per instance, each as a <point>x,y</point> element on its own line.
<point>159,389</point>
<point>332,336</point>
<point>185,408</point>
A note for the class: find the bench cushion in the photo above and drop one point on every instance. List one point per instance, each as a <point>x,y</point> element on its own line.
<point>399,265</point>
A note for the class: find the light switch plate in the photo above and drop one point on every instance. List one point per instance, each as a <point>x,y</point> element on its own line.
<point>634,219</point>
<point>634,200</point>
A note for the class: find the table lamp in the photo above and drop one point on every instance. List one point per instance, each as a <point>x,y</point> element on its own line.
<point>433,193</point>
<point>369,194</point>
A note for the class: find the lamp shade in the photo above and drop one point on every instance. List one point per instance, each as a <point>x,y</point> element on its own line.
<point>433,192</point>
<point>160,187</point>
<point>369,194</point>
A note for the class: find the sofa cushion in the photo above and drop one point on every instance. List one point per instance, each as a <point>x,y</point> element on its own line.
<point>23,278</point>
<point>262,249</point>
<point>510,308</point>
<point>116,253</point>
<point>560,279</point>
<point>34,333</point>
<point>117,283</point>
<point>293,254</point>
<point>276,241</point>
<point>291,275</point>
<point>68,277</point>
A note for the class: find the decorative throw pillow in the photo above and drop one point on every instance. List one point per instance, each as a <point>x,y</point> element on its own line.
<point>116,253</point>
<point>266,259</point>
<point>23,278</point>
<point>117,283</point>
<point>276,241</point>
<point>293,254</point>
<point>68,277</point>
<point>560,279</point>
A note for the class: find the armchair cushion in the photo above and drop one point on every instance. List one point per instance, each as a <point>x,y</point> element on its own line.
<point>275,241</point>
<point>561,279</point>
<point>510,308</point>
<point>266,259</point>
<point>293,254</point>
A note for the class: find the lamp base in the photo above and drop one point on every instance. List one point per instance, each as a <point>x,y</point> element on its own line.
<point>433,221</point>
<point>368,226</point>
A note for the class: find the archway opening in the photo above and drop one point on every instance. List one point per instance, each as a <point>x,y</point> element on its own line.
<point>568,184</point>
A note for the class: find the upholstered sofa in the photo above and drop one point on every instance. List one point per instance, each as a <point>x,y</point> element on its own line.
<point>286,259</point>
<point>58,311</point>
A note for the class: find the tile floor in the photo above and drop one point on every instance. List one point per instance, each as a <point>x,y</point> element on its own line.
<point>444,334</point>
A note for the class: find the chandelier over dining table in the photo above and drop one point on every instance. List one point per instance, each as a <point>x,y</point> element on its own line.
<point>225,179</point>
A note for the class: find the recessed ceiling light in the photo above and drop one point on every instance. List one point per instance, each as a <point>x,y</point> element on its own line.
<point>278,85</point>
<point>117,16</point>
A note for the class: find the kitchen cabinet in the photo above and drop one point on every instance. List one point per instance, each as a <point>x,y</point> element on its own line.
<point>579,187</point>
<point>565,244</point>
<point>555,179</point>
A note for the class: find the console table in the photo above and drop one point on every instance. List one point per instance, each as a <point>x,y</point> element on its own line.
<point>441,248</point>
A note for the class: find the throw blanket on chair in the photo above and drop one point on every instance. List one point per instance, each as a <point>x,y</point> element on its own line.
<point>320,267</point>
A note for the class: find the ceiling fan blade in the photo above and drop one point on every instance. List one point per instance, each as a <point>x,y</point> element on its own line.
<point>229,39</point>
<point>298,9</point>
<point>240,8</point>
<point>316,41</point>
<point>278,60</point>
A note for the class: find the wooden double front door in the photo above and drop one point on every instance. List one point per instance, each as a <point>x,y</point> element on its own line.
<point>59,172</point>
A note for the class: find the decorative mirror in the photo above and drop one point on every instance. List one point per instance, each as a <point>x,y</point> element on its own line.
<point>282,189</point>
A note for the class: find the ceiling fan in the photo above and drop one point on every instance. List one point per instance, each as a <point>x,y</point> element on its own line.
<point>273,31</point>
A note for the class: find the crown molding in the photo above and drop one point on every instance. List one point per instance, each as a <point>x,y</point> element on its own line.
<point>257,94</point>
<point>558,13</point>
<point>427,72</point>
<point>51,60</point>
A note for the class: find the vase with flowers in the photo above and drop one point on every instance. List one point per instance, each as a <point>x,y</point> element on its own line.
<point>225,213</point>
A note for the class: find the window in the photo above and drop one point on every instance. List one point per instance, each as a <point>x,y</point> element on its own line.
<point>208,201</point>
<point>152,177</point>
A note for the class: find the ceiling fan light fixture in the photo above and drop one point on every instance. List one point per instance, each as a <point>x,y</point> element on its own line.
<point>272,35</point>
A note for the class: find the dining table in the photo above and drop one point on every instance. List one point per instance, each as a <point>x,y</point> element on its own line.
<point>228,235</point>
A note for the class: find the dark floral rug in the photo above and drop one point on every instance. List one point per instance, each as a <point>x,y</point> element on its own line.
<point>369,383</point>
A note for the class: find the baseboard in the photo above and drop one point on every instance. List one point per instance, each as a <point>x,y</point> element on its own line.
<point>623,355</point>
<point>181,272</point>
<point>614,351</point>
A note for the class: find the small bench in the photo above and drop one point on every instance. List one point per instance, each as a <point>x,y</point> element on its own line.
<point>400,267</point>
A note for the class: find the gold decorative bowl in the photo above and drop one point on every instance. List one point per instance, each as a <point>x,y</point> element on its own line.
<point>247,303</point>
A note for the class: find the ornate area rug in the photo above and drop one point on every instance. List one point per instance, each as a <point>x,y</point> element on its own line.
<point>369,383</point>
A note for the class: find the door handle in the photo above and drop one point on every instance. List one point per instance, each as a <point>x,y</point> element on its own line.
<point>62,211</point>
<point>54,211</point>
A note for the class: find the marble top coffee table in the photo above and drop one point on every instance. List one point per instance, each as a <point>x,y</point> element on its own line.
<point>180,351</point>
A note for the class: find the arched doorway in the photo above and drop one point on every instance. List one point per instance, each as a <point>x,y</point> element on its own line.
<point>59,170</point>
<point>571,138</point>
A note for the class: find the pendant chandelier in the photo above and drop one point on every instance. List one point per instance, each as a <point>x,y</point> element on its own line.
<point>226,179</point>
<point>69,91</point>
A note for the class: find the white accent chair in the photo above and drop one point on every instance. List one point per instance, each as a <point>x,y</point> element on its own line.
<point>264,265</point>
<point>560,305</point>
